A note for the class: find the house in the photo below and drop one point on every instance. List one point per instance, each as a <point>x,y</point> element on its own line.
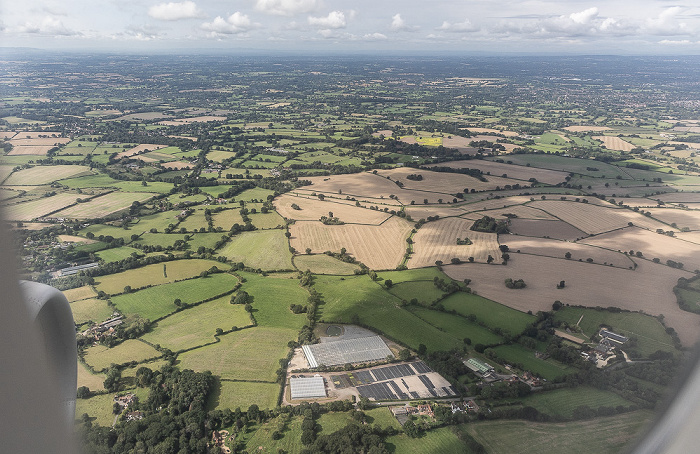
<point>458,407</point>
<point>425,410</point>
<point>472,406</point>
<point>134,415</point>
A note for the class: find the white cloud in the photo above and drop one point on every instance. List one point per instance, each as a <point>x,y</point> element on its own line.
<point>667,23</point>
<point>670,42</point>
<point>585,16</point>
<point>374,37</point>
<point>48,25</point>
<point>236,23</point>
<point>398,24</point>
<point>136,34</point>
<point>287,7</point>
<point>175,11</point>
<point>335,19</point>
<point>459,27</point>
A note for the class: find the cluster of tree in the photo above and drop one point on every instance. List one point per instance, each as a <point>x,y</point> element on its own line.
<point>415,177</point>
<point>476,173</point>
<point>490,225</point>
<point>464,242</point>
<point>516,284</point>
<point>331,220</point>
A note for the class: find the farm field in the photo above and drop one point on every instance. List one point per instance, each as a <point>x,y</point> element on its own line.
<point>562,164</point>
<point>312,209</point>
<point>235,394</point>
<point>544,228</point>
<point>442,182</point>
<point>586,285</point>
<point>442,439</point>
<point>100,357</point>
<point>270,220</point>
<point>91,309</point>
<point>614,143</point>
<point>418,274</point>
<point>520,211</point>
<point>116,254</point>
<point>45,174</point>
<point>249,354</point>
<point>26,211</point>
<point>650,334</point>
<point>271,299</point>
<point>424,291</point>
<point>225,219</point>
<point>524,358</point>
<point>456,326</point>
<point>98,407</point>
<point>651,245</point>
<point>196,325</point>
<point>558,249</point>
<point>438,241</point>
<point>156,302</point>
<point>103,205</point>
<point>378,247</point>
<point>323,264</point>
<point>79,293</point>
<point>246,247</point>
<point>682,218</point>
<point>86,378</point>
<point>602,435</point>
<point>156,274</point>
<point>492,314</point>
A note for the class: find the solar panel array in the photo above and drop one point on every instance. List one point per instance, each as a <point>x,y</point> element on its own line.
<point>350,351</point>
<point>373,383</point>
<point>307,387</point>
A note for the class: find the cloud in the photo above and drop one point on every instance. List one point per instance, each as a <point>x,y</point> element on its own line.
<point>334,20</point>
<point>584,23</point>
<point>175,11</point>
<point>670,42</point>
<point>136,34</point>
<point>48,25</point>
<point>459,27</point>
<point>235,24</point>
<point>667,23</point>
<point>374,37</point>
<point>585,16</point>
<point>398,24</point>
<point>287,7</point>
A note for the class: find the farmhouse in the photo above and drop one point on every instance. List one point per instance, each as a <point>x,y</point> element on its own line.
<point>307,387</point>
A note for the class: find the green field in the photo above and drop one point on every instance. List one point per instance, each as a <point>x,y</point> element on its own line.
<point>225,219</point>
<point>194,221</point>
<point>419,274</point>
<point>601,435</point>
<point>45,174</point>
<point>562,402</point>
<point>688,299</point>
<point>117,254</point>
<point>324,264</point>
<point>441,440</point>
<point>196,326</point>
<point>270,220</point>
<point>248,354</point>
<point>107,230</point>
<point>457,327</point>
<point>267,250</point>
<point>86,378</point>
<point>516,354</point>
<point>156,274</point>
<point>90,309</point>
<point>333,421</point>
<point>100,357</point>
<point>489,312</point>
<point>158,221</point>
<point>80,293</point>
<point>271,300</point>
<point>649,333</point>
<point>98,407</point>
<point>290,441</point>
<point>230,394</point>
<point>155,302</point>
<point>259,194</point>
<point>375,307</point>
<point>424,291</point>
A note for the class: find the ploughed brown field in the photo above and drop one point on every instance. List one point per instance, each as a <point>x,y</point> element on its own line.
<point>513,171</point>
<point>312,209</point>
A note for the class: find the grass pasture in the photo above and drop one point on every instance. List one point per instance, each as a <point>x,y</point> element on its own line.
<point>86,378</point>
<point>562,402</point>
<point>26,211</point>
<point>80,293</point>
<point>457,327</point>
<point>493,314</point>
<point>103,205</point>
<point>117,254</point>
<point>516,354</point>
<point>45,174</point>
<point>270,220</point>
<point>196,325</point>
<point>225,219</point>
<point>324,264</point>
<point>234,394</point>
<point>266,249</point>
<point>155,302</point>
<point>98,407</point>
<point>271,300</point>
<point>155,274</point>
<point>100,357</point>
<point>91,309</point>
<point>424,291</point>
<point>442,440</point>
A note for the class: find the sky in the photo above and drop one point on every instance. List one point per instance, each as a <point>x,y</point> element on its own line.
<point>624,27</point>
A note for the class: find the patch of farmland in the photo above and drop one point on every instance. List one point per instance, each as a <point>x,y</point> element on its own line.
<point>11,134</point>
<point>682,218</point>
<point>438,241</point>
<point>517,172</point>
<point>614,143</point>
<point>443,182</point>
<point>312,210</point>
<point>424,211</point>
<point>197,325</point>
<point>594,219</point>
<point>117,254</point>
<point>155,274</point>
<point>271,297</point>
<point>6,194</point>
<point>38,175</point>
<point>156,302</point>
<point>269,220</point>
<point>584,128</point>
<point>264,249</point>
<point>679,197</point>
<point>492,204</point>
<point>26,211</point>
<point>324,264</point>
<point>147,116</point>
<point>142,148</point>
<point>235,394</point>
<point>520,211</point>
<point>543,228</point>
<point>378,247</point>
<point>91,309</point>
<point>651,244</point>
<point>249,354</point>
<point>190,120</point>
<point>577,165</point>
<point>38,150</point>
<point>490,131</point>
<point>86,378</point>
<point>225,219</point>
<point>525,358</point>
<point>649,288</point>
<point>101,357</point>
<point>20,141</point>
<point>693,237</point>
<point>640,202</point>
<point>492,314</point>
<point>177,165</point>
<point>5,172</point>
<point>103,205</point>
<point>558,249</point>
<point>80,293</point>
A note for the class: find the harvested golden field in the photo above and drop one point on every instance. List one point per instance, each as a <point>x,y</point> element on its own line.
<point>491,131</point>
<point>46,174</point>
<point>594,219</point>
<point>26,211</point>
<point>583,128</point>
<point>7,134</point>
<point>5,172</point>
<point>443,182</point>
<point>32,134</point>
<point>558,248</point>
<point>648,288</point>
<point>520,211</point>
<point>640,202</point>
<point>681,217</point>
<point>74,239</point>
<point>104,205</point>
<point>512,171</point>
<point>438,241</point>
<point>424,211</point>
<point>543,228</point>
<point>177,165</point>
<point>313,209</point>
<point>679,197</point>
<point>38,150</point>
<point>378,247</point>
<point>139,149</point>
<point>190,120</point>
<point>492,204</point>
<point>20,141</point>
<point>652,245</point>
<point>614,143</point>
<point>80,293</point>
